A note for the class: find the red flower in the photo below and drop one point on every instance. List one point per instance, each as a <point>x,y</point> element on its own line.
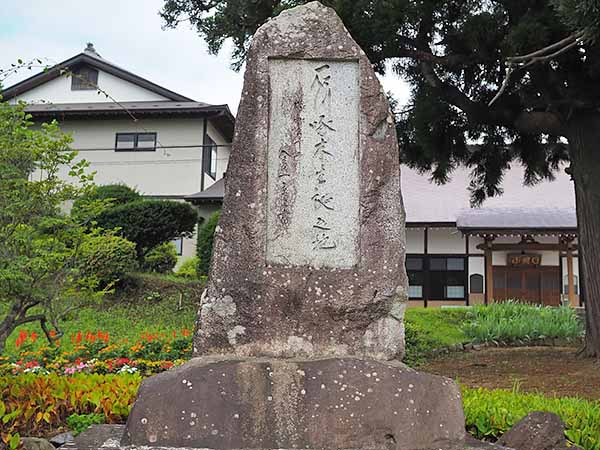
<point>78,337</point>
<point>33,336</point>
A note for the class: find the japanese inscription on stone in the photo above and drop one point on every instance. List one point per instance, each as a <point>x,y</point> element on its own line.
<point>313,163</point>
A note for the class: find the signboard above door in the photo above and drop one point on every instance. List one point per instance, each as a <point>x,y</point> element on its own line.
<point>524,260</point>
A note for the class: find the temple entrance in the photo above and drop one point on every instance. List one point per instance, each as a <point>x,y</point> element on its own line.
<point>539,285</point>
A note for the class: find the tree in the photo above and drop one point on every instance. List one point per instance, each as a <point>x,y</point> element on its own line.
<point>149,223</point>
<point>40,268</point>
<point>454,55</point>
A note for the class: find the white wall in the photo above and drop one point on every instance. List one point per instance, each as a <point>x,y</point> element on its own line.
<point>445,241</point>
<point>415,242</point>
<point>223,152</point>
<point>164,172</point>
<point>59,91</point>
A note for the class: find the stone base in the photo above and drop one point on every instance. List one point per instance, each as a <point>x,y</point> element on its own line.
<point>335,403</point>
<point>108,437</point>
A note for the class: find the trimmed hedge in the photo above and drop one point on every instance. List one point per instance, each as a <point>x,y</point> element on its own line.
<point>161,259</point>
<point>108,258</point>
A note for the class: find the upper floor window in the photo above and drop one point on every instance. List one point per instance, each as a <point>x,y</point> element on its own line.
<point>84,79</point>
<point>209,158</point>
<point>131,142</point>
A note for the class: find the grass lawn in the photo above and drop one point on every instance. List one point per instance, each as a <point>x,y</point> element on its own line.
<point>146,308</point>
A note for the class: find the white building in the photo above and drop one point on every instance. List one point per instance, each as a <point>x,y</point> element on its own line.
<point>131,130</point>
<point>522,245</point>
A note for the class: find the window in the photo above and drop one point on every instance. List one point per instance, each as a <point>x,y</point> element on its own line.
<point>209,157</point>
<point>566,284</point>
<point>416,276</point>
<point>447,278</point>
<point>131,142</point>
<point>476,283</point>
<point>84,79</point>
<point>178,243</point>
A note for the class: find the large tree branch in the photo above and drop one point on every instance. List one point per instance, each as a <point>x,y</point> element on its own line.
<point>534,122</point>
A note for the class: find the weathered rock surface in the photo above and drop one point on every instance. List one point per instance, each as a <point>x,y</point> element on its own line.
<point>309,252</point>
<point>61,439</point>
<point>536,431</point>
<point>34,443</point>
<point>337,403</point>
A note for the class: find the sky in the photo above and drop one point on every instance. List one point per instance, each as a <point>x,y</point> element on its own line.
<point>128,33</point>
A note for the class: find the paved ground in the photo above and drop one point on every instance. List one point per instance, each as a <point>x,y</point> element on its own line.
<point>549,370</point>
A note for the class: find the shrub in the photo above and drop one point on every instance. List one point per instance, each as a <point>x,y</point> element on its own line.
<point>512,321</point>
<point>78,423</point>
<point>205,242</point>
<point>161,259</point>
<point>34,405</point>
<point>189,268</point>
<point>107,257</point>
<point>149,223</point>
<point>116,194</point>
<point>490,413</point>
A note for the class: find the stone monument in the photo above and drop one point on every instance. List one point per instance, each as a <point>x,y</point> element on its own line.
<point>300,327</point>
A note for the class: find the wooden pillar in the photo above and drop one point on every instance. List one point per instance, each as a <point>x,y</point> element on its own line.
<point>570,276</point>
<point>489,271</point>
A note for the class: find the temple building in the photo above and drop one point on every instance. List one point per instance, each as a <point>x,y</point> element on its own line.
<point>521,245</point>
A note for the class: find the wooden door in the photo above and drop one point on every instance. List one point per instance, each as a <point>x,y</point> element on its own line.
<point>538,285</point>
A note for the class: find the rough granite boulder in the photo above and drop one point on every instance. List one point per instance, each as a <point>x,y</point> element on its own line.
<point>337,403</point>
<point>308,256</point>
<point>536,431</point>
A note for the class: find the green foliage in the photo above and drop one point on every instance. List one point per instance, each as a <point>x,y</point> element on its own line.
<point>581,15</point>
<point>161,259</point>
<point>34,405</point>
<point>149,223</point>
<point>126,314</point>
<point>107,257</point>
<point>429,329</point>
<point>490,413</point>
<point>205,242</point>
<point>512,321</point>
<point>453,54</point>
<point>188,268</point>
<point>39,245</point>
<point>78,423</point>
<point>113,194</point>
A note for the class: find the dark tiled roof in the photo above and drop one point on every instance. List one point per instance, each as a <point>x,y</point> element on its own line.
<point>88,58</point>
<point>219,114</point>
<point>547,205</point>
<point>113,106</point>
<point>523,218</point>
<point>214,193</point>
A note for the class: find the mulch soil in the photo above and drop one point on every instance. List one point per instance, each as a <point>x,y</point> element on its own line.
<point>547,370</point>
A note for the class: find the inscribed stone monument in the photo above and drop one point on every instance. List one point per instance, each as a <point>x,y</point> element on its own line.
<point>309,253</point>
<point>301,320</point>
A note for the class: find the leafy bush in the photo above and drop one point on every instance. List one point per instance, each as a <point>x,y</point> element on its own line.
<point>34,405</point>
<point>512,321</point>
<point>78,423</point>
<point>161,259</point>
<point>107,257</point>
<point>189,268</point>
<point>490,413</point>
<point>149,223</point>
<point>205,242</point>
<point>116,194</point>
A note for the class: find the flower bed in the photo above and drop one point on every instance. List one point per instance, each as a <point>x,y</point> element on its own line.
<point>95,352</point>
